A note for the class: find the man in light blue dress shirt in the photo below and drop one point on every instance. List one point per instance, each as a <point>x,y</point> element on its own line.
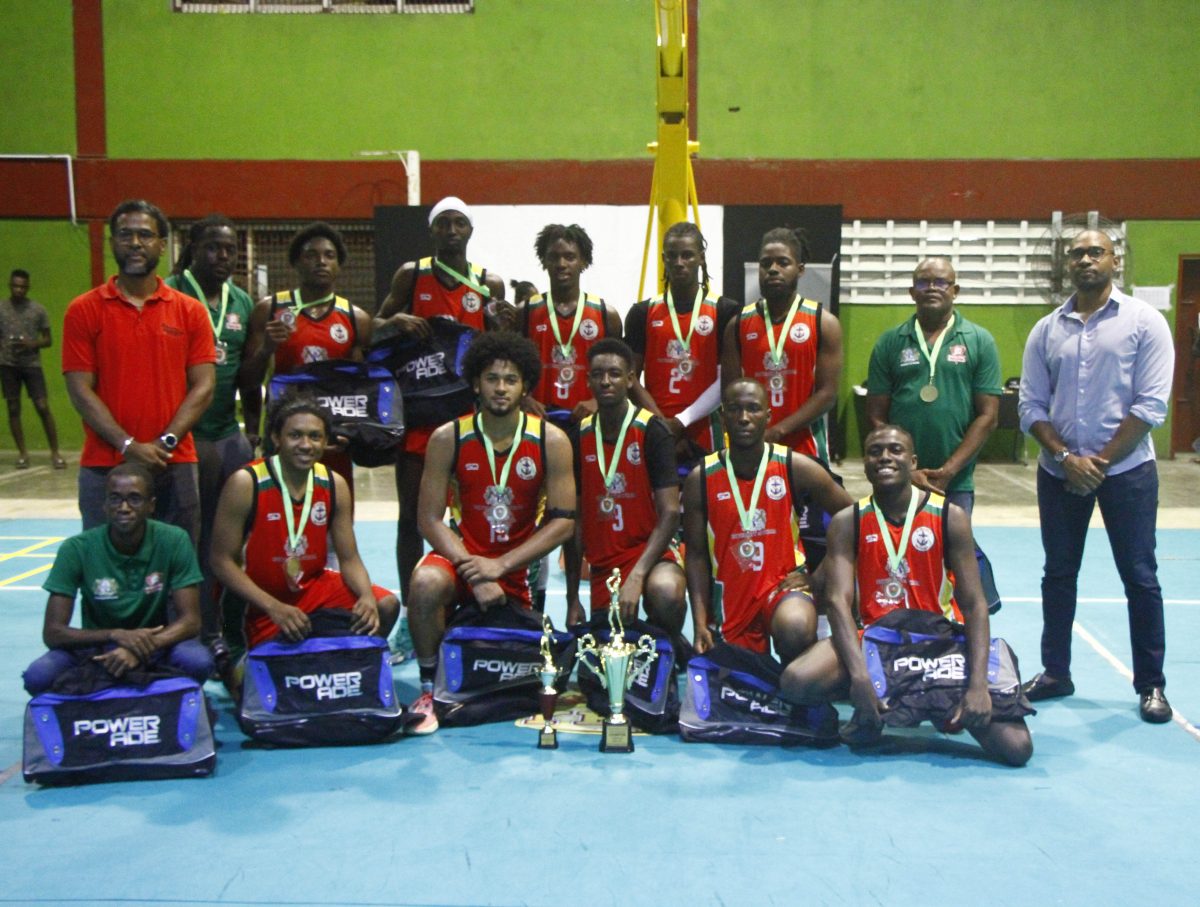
<point>1095,380</point>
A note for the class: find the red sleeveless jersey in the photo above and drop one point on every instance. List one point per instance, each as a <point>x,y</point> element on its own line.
<point>431,299</point>
<point>675,379</point>
<point>493,522</point>
<point>790,385</point>
<point>922,582</point>
<point>748,565</point>
<point>332,336</point>
<point>267,549</point>
<point>564,384</point>
<point>609,538</point>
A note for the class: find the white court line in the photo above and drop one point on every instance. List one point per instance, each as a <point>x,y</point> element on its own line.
<point>1108,656</point>
<point>1027,484</point>
<point>21,589</point>
<point>24,473</point>
<point>1102,601</point>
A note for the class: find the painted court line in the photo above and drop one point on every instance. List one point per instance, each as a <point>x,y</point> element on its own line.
<point>1120,668</point>
<point>25,575</point>
<point>1101,601</point>
<point>46,540</point>
<point>1026,484</point>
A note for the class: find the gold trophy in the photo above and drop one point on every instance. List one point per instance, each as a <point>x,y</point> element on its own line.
<point>616,663</point>
<point>548,698</point>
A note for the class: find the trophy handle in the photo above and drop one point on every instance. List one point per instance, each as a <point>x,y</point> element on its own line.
<point>645,653</point>
<point>587,646</point>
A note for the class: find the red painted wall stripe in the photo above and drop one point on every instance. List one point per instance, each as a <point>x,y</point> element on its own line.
<point>91,125</point>
<point>875,189</point>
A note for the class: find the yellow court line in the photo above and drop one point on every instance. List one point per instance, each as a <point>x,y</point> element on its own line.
<point>25,575</point>
<point>42,544</point>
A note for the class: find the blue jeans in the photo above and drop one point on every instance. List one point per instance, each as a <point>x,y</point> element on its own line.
<point>188,657</point>
<point>1129,505</point>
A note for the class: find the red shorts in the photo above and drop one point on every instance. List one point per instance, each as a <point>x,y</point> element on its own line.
<point>515,584</point>
<point>755,634</point>
<point>601,597</point>
<point>327,591</point>
<point>416,439</point>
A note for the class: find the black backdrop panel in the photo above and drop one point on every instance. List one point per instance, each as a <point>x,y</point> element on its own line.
<point>746,224</point>
<point>401,234</point>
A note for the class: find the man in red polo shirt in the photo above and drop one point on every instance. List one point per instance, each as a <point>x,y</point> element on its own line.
<point>138,358</point>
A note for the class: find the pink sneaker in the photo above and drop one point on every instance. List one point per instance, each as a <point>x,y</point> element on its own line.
<point>422,707</point>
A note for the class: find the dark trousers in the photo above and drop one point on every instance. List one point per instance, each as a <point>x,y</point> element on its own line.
<point>175,488</point>
<point>1129,506</point>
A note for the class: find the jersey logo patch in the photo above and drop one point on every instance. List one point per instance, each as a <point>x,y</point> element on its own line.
<point>909,356</point>
<point>154,583</point>
<point>922,538</point>
<point>704,325</point>
<point>589,330</point>
<point>800,332</point>
<point>957,353</point>
<point>471,301</point>
<point>105,589</point>
<point>319,513</point>
<point>633,453</point>
<point>339,333</point>
<point>314,354</point>
<point>776,488</point>
<point>233,322</point>
<point>526,468</point>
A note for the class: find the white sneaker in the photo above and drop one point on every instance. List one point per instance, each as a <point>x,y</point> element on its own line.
<point>423,706</point>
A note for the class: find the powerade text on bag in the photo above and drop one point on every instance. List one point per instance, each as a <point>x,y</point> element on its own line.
<point>917,661</point>
<point>488,665</point>
<point>325,690</point>
<point>363,401</point>
<point>428,372</point>
<point>122,733</point>
<point>652,701</point>
<point>732,696</point>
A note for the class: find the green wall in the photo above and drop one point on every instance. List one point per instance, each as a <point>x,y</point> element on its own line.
<point>39,78</point>
<point>56,256</point>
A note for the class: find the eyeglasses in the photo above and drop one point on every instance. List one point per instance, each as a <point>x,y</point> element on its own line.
<point>936,283</point>
<point>134,500</point>
<point>126,235</point>
<point>1095,253</point>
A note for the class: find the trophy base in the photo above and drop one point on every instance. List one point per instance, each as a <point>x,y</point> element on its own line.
<point>616,738</point>
<point>547,738</point>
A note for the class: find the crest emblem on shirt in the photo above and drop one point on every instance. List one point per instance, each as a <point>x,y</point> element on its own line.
<point>299,549</point>
<point>314,354</point>
<point>776,488</point>
<point>339,333</point>
<point>526,468</point>
<point>759,521</point>
<point>588,329</point>
<point>154,583</point>
<point>618,485</point>
<point>471,301</point>
<point>957,353</point>
<point>704,325</point>
<point>909,356</point>
<point>633,453</point>
<point>922,538</point>
<point>800,332</point>
<point>425,297</point>
<point>105,588</point>
<point>319,513</point>
<point>233,322</point>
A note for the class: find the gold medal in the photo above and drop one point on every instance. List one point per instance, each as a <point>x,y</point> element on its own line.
<point>776,382</point>
<point>293,568</point>
<point>928,393</point>
<point>222,354</point>
<point>498,514</point>
<point>566,375</point>
<point>685,366</point>
<point>607,504</point>
<point>892,589</point>
<point>288,317</point>
<point>746,550</point>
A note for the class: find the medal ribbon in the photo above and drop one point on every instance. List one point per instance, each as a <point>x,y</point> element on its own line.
<point>553,312</point>
<point>687,342</point>
<point>299,305</point>
<point>294,529</point>
<point>463,278</point>
<point>932,355</point>
<point>896,555</point>
<point>502,482</point>
<point>777,348</point>
<point>746,514</point>
<point>607,473</point>
<point>203,297</point>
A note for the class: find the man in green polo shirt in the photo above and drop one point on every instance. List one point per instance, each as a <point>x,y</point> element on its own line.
<point>204,271</point>
<point>937,375</point>
<point>125,573</point>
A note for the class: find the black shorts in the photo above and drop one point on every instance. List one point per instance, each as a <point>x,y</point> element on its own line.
<point>13,376</point>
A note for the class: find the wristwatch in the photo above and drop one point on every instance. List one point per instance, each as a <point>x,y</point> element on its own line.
<point>125,445</point>
<point>1062,455</point>
<point>169,441</point>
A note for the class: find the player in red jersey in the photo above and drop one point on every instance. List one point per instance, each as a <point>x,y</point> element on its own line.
<point>309,323</point>
<point>563,323</point>
<point>742,507</point>
<point>676,342</point>
<point>907,568</point>
<point>445,285</point>
<point>790,345</point>
<point>271,553</point>
<point>498,464</point>
<point>628,497</point>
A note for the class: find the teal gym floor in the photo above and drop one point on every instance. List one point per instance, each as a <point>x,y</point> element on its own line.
<point>1103,814</point>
